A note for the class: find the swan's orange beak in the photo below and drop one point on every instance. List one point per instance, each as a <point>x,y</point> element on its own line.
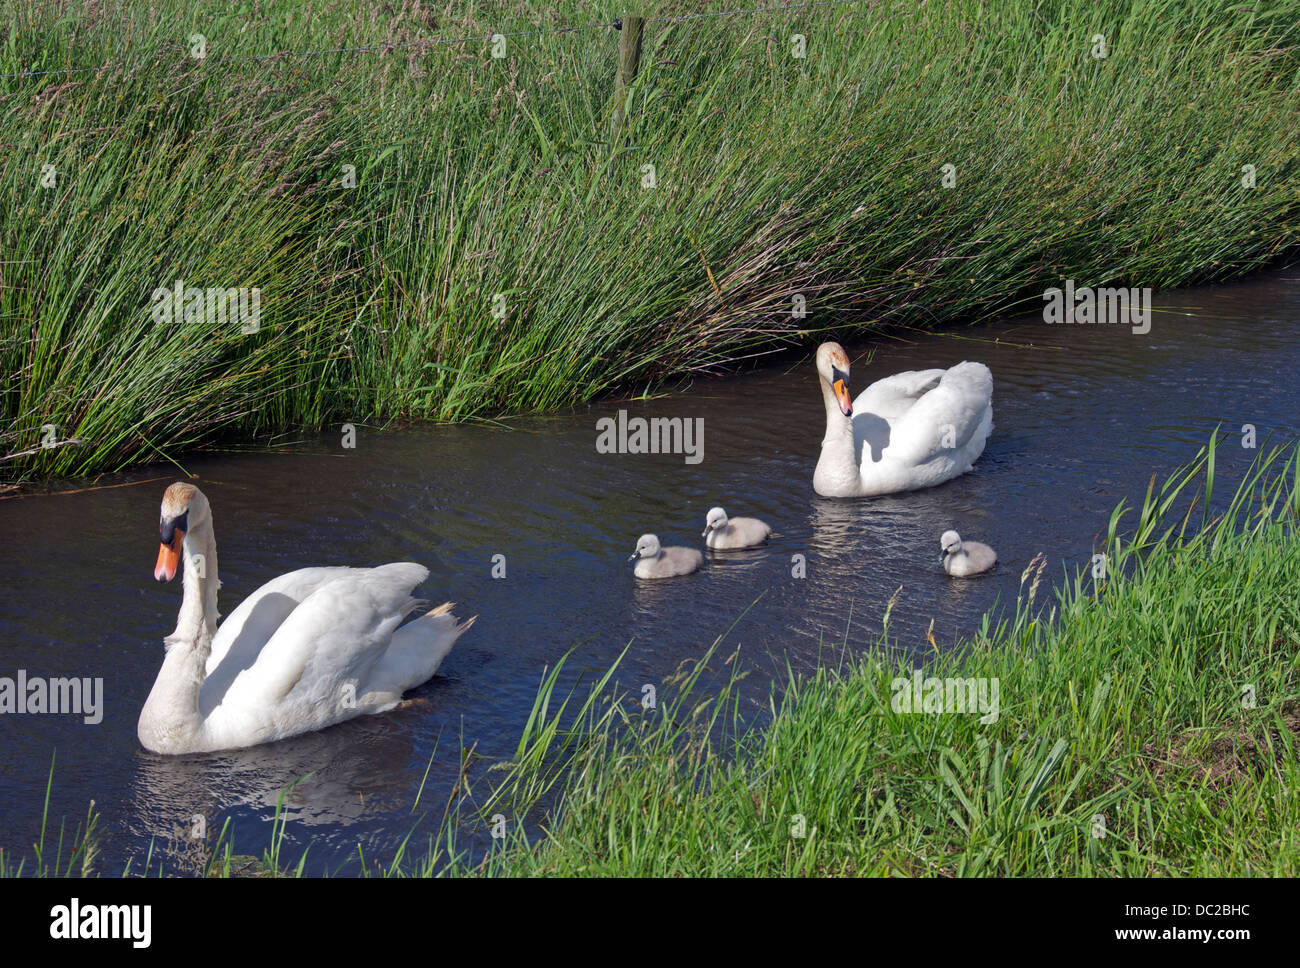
<point>169,557</point>
<point>841,387</point>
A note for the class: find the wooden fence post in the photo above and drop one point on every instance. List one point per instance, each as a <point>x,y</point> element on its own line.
<point>629,61</point>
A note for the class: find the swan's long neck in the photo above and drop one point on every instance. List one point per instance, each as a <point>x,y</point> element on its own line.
<point>198,615</point>
<point>170,720</point>
<point>837,473</point>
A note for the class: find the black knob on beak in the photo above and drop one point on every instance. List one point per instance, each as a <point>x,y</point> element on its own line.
<point>167,529</point>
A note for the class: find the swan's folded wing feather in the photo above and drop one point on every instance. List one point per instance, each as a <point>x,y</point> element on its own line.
<point>946,418</point>
<point>331,639</point>
<point>892,396</point>
<point>244,631</point>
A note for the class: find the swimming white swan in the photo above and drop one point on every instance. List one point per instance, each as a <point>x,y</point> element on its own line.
<point>906,431</point>
<point>962,559</point>
<point>306,650</point>
<point>657,562</point>
<point>721,532</point>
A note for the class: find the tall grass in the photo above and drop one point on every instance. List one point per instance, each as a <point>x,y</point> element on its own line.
<point>74,852</point>
<point>479,177</point>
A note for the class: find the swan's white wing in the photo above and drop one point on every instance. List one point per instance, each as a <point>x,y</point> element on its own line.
<point>330,640</point>
<point>892,396</point>
<point>951,420</point>
<point>245,630</point>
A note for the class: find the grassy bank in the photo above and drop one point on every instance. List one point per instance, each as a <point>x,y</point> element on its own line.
<point>1158,705</point>
<point>477,177</point>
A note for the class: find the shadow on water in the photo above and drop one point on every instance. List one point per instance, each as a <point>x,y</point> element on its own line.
<point>1083,417</point>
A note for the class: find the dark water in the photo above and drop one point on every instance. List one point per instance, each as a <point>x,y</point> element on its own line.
<point>1083,417</point>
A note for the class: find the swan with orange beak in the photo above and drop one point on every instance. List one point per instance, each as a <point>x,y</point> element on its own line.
<point>907,431</point>
<point>307,650</point>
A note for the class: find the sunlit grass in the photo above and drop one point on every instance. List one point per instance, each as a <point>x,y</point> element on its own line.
<point>478,178</point>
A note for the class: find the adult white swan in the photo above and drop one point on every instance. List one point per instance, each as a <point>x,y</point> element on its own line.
<point>306,650</point>
<point>909,430</point>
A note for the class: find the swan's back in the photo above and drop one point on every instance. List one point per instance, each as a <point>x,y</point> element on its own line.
<point>338,654</point>
<point>892,396</point>
<point>245,630</point>
<point>921,428</point>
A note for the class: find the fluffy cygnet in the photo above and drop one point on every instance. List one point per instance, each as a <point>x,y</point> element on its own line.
<point>657,562</point>
<point>723,532</point>
<point>963,559</point>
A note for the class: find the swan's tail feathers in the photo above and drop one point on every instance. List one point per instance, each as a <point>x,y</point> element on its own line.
<point>417,650</point>
<point>445,609</point>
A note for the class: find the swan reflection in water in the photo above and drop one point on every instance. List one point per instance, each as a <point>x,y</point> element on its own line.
<point>366,768</point>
